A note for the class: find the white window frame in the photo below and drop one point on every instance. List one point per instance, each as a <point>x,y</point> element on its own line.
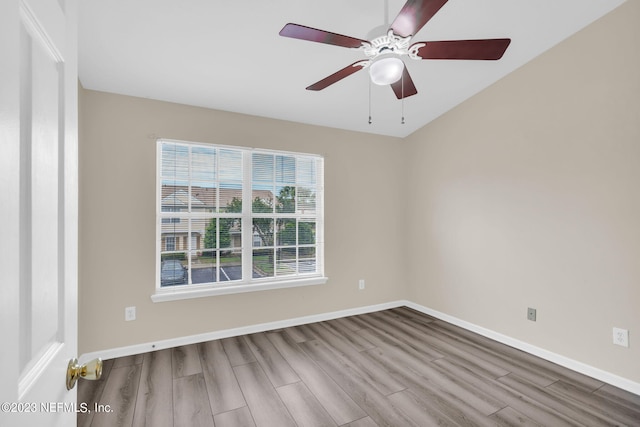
<point>248,283</point>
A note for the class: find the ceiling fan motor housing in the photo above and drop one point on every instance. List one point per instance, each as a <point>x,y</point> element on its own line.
<point>387,44</point>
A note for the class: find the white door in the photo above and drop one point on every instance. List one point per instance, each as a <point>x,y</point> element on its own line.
<point>38,210</point>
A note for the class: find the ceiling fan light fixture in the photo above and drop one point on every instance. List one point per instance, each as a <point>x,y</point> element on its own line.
<point>386,71</point>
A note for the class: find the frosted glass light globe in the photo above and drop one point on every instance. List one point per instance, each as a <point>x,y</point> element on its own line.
<point>386,70</point>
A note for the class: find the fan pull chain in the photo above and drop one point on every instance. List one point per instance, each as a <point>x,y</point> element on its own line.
<point>402,121</point>
<point>369,101</point>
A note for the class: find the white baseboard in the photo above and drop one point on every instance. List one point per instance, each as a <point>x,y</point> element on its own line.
<point>574,365</point>
<point>227,333</point>
<point>558,359</point>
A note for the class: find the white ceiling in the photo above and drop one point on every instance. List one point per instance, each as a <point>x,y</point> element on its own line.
<point>227,55</point>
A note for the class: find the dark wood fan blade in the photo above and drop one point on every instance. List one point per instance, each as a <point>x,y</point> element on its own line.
<point>413,15</point>
<point>489,49</point>
<point>338,75</point>
<point>404,87</point>
<point>301,32</point>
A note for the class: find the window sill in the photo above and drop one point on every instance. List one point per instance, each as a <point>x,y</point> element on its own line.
<point>174,294</point>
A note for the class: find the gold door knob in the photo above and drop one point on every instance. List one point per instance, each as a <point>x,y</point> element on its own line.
<point>89,371</point>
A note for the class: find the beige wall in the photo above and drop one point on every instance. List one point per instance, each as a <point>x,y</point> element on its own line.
<point>117,220</point>
<point>528,195</point>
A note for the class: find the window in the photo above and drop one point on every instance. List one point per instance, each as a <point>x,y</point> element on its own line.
<point>170,243</point>
<point>236,219</point>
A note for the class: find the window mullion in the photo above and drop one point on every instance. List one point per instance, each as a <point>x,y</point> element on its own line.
<point>216,216</point>
<point>217,253</point>
<point>247,222</point>
<point>319,217</point>
<point>189,210</point>
<point>216,178</point>
<point>274,211</point>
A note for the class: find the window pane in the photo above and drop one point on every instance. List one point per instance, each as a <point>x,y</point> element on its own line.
<point>230,265</point>
<point>173,269</point>
<point>262,168</point>
<point>203,164</point>
<point>230,233</point>
<point>287,232</point>
<point>307,260</point>
<point>175,198</point>
<point>203,267</point>
<point>263,260</point>
<point>203,197</point>
<point>286,200</point>
<point>230,165</point>
<point>307,232</point>
<point>173,231</point>
<point>286,261</point>
<point>231,197</point>
<point>286,170</point>
<point>306,198</point>
<point>306,171</point>
<point>263,230</point>
<point>175,163</point>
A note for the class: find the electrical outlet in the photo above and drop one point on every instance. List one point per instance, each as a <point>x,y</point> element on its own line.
<point>129,313</point>
<point>531,314</point>
<point>361,284</point>
<point>621,337</point>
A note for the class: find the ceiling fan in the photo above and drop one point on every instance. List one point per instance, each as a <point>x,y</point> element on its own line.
<point>384,52</point>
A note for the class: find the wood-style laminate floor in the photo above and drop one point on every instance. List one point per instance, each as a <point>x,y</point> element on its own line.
<point>391,368</point>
